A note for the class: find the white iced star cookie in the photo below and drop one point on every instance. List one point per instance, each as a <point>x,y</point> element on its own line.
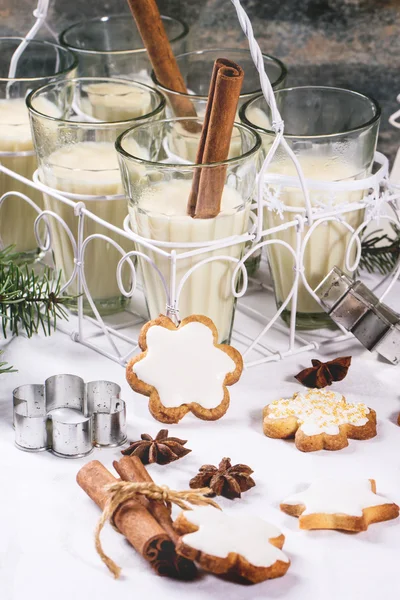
<point>242,546</point>
<point>318,419</point>
<point>183,369</point>
<point>340,504</point>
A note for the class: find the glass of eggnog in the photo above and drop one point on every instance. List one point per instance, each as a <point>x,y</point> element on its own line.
<point>159,191</point>
<point>38,63</point>
<point>111,46</point>
<point>196,68</point>
<point>76,156</point>
<point>333,133</point>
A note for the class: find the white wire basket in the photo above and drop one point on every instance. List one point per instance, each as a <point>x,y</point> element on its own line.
<point>116,337</point>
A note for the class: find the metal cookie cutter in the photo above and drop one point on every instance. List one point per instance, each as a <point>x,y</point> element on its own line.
<point>351,304</point>
<point>68,417</point>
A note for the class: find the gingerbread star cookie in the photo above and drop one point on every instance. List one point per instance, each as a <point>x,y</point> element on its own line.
<point>241,546</point>
<point>337,504</point>
<point>319,419</point>
<point>183,369</point>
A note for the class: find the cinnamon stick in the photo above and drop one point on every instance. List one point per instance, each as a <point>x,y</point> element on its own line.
<point>132,519</point>
<point>131,468</point>
<point>155,39</point>
<point>208,182</point>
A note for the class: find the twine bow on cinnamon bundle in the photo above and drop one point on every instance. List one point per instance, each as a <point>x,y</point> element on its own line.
<point>122,491</point>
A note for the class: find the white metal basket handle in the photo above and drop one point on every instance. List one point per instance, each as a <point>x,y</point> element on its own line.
<point>40,14</point>
<point>277,123</point>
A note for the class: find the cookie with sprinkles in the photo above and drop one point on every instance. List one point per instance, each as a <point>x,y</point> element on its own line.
<point>318,419</point>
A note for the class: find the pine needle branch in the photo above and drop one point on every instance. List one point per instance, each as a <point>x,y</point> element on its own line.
<point>380,252</point>
<point>28,302</point>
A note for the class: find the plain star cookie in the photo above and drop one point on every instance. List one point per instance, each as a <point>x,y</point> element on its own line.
<point>241,546</point>
<point>318,419</point>
<point>344,505</point>
<point>183,369</point>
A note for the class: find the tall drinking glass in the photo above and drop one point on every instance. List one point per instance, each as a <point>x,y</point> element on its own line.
<point>111,46</point>
<point>196,68</point>
<point>158,195</point>
<point>333,133</point>
<point>39,63</point>
<point>75,124</point>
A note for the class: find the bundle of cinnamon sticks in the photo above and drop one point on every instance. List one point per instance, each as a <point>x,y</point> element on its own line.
<point>146,524</point>
<point>208,182</point>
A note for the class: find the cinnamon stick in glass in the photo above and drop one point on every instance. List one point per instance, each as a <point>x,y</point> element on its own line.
<point>132,519</point>
<point>155,39</point>
<point>208,182</point>
<point>131,468</point>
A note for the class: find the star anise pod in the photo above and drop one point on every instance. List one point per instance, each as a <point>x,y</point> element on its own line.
<point>162,449</point>
<point>322,374</point>
<point>225,480</point>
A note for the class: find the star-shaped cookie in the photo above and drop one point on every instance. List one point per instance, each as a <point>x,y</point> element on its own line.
<point>242,546</point>
<point>319,419</point>
<point>183,369</point>
<point>339,504</point>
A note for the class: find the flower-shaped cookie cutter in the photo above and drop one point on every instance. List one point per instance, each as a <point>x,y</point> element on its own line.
<point>68,417</point>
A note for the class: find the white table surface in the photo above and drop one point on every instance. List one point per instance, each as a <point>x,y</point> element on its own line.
<point>47,522</point>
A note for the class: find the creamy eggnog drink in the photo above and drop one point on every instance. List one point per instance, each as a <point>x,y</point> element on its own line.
<point>208,289</point>
<point>159,193</point>
<point>333,133</point>
<point>328,244</point>
<point>78,157</point>
<point>88,169</point>
<point>113,102</point>
<point>17,153</point>
<point>39,63</point>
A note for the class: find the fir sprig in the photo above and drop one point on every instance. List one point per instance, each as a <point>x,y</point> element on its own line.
<point>28,302</point>
<point>380,252</point>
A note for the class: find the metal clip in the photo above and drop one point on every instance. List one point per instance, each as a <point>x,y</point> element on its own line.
<point>352,304</point>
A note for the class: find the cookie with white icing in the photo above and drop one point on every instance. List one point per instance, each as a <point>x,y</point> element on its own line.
<point>241,546</point>
<point>319,419</point>
<point>183,369</point>
<point>337,504</point>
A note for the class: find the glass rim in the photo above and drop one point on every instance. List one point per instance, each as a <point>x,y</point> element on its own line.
<point>366,125</point>
<point>105,18</point>
<point>182,166</point>
<point>69,170</point>
<point>41,43</point>
<point>269,57</point>
<point>94,124</point>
